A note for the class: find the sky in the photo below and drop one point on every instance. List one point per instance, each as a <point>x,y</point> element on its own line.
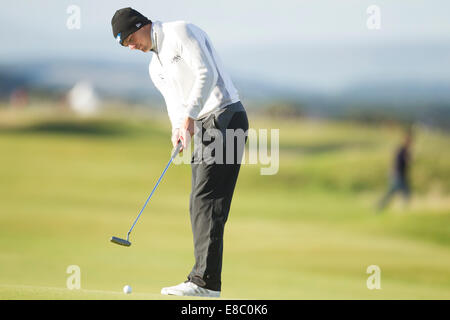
<point>259,38</point>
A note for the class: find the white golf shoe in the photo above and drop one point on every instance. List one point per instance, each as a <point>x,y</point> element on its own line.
<point>190,289</point>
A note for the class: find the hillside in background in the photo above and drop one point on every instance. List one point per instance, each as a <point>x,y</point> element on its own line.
<point>408,82</point>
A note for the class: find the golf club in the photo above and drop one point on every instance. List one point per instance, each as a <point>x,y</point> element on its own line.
<point>127,242</point>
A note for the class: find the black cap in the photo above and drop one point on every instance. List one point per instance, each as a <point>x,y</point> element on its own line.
<point>127,21</point>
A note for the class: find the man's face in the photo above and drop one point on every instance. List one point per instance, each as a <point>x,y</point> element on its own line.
<point>139,40</point>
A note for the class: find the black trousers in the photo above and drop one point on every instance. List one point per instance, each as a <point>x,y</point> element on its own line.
<point>213,185</point>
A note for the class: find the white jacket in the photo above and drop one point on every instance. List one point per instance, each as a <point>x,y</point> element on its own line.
<point>188,72</point>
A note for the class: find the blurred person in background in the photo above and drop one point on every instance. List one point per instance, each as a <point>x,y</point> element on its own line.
<point>400,181</point>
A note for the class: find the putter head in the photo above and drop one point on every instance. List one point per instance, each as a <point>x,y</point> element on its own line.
<point>120,241</point>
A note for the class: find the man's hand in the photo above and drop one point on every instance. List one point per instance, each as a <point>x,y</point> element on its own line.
<point>187,131</point>
<point>184,133</point>
<point>175,137</point>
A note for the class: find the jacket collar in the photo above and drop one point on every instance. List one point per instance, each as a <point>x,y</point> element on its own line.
<point>157,36</point>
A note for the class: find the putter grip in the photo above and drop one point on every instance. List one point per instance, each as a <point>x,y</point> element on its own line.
<point>177,149</point>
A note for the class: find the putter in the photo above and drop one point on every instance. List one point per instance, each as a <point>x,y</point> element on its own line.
<point>127,242</point>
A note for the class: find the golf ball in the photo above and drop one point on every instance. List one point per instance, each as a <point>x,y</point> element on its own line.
<point>127,289</point>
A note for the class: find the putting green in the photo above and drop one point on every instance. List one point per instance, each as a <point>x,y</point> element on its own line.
<point>309,232</point>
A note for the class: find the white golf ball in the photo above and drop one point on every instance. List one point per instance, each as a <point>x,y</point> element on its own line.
<point>127,289</point>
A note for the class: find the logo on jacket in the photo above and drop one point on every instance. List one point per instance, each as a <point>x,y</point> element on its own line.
<point>176,58</point>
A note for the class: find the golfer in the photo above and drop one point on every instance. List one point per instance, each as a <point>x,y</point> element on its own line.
<point>198,92</point>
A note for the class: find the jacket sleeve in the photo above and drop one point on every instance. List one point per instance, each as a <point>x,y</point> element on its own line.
<point>193,50</point>
<point>175,110</point>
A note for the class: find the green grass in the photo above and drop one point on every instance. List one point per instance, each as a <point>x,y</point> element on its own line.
<point>309,232</point>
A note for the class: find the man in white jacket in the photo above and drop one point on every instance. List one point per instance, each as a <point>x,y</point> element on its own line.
<point>197,91</point>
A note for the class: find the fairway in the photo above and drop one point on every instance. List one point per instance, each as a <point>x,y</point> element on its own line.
<point>308,232</point>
